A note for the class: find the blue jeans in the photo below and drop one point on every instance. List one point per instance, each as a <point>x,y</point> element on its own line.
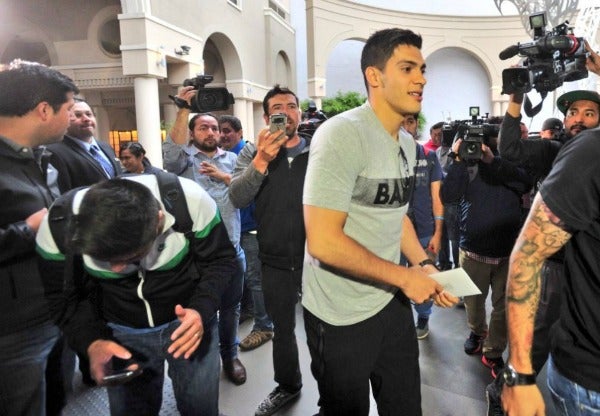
<point>571,399</point>
<point>229,312</point>
<point>423,309</point>
<point>262,321</point>
<point>23,357</point>
<point>195,381</point>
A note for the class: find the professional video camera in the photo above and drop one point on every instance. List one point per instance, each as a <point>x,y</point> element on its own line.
<point>553,57</point>
<point>206,99</point>
<point>474,133</point>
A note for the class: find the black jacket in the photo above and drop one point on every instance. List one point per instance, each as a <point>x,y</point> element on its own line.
<point>279,211</point>
<point>76,167</point>
<point>536,155</point>
<point>23,191</point>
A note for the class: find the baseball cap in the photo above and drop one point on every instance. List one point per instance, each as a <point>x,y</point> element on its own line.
<point>564,101</point>
<point>552,124</point>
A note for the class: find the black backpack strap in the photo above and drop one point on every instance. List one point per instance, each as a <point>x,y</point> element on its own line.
<point>59,216</point>
<point>173,198</point>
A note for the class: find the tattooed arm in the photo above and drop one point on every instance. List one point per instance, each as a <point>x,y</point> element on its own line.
<point>542,235</point>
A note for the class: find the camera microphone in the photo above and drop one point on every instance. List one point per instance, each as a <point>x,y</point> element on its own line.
<point>509,52</point>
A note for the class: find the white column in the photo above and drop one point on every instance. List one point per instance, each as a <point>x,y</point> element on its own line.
<point>249,135</point>
<point>147,114</point>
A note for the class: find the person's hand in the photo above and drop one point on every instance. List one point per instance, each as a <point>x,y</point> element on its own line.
<point>456,145</point>
<point>186,94</point>
<point>267,147</point>
<point>419,287</point>
<point>592,63</point>
<point>435,244</point>
<point>487,156</point>
<point>101,353</point>
<point>445,299</point>
<point>187,337</point>
<point>523,401</point>
<point>35,219</point>
<point>207,168</point>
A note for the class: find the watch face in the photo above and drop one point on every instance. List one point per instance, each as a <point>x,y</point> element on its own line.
<point>509,377</point>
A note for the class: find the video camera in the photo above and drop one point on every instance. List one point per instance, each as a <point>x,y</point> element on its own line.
<point>553,57</point>
<point>208,99</point>
<point>474,133</point>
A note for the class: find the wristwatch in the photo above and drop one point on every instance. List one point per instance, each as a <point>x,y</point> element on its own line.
<point>512,378</point>
<point>426,262</point>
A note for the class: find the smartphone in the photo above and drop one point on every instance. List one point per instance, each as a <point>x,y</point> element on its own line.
<point>121,377</point>
<point>277,122</point>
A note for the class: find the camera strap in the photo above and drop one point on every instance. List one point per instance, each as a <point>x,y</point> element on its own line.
<point>179,102</point>
<point>529,109</point>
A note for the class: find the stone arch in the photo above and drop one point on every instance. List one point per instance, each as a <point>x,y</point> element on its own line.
<point>332,21</point>
<point>23,39</point>
<point>225,58</point>
<point>283,69</point>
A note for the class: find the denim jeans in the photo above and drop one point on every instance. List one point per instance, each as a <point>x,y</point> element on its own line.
<point>262,321</point>
<point>571,399</point>
<point>229,312</point>
<point>381,351</point>
<point>23,358</point>
<point>195,380</point>
<point>423,309</point>
<point>282,291</point>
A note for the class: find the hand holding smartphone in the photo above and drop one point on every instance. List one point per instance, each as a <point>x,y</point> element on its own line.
<point>122,372</point>
<point>277,122</point>
<point>121,377</point>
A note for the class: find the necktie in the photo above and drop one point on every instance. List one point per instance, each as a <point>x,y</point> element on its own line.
<point>108,168</point>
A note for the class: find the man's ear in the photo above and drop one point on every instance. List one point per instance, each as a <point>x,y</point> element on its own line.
<point>43,110</point>
<point>373,76</point>
<point>161,221</point>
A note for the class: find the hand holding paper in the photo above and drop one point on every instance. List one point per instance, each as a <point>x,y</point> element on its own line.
<point>456,282</point>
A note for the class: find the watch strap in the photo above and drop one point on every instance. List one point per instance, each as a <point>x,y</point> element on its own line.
<point>426,262</point>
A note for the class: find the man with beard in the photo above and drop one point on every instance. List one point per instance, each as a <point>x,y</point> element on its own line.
<point>581,109</point>
<point>81,159</point>
<point>201,160</point>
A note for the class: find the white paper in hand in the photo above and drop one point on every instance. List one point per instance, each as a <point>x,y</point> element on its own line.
<point>457,282</point>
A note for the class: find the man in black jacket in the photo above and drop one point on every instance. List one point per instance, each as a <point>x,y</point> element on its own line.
<point>81,159</point>
<point>489,193</point>
<point>272,174</point>
<point>35,103</point>
<point>131,286</point>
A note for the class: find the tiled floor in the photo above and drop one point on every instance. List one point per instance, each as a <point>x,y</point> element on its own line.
<point>452,383</point>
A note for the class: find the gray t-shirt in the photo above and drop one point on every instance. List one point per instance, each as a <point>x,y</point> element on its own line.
<point>356,167</point>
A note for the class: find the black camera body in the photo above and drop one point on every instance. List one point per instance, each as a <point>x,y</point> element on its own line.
<point>553,57</point>
<point>208,99</point>
<point>474,134</point>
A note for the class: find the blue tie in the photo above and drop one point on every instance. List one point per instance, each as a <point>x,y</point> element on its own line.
<point>108,168</point>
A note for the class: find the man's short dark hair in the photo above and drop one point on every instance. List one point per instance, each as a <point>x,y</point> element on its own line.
<point>117,217</point>
<point>276,90</point>
<point>23,85</point>
<point>381,46</point>
<point>437,125</point>
<point>192,122</point>
<point>233,121</point>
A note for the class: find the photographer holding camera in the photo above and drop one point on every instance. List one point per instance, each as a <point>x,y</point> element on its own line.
<point>581,111</point>
<point>488,190</point>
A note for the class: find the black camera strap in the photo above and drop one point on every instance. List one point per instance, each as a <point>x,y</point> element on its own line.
<point>529,109</point>
<point>179,102</point>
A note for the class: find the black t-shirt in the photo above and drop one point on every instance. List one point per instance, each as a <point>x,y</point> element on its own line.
<point>572,192</point>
